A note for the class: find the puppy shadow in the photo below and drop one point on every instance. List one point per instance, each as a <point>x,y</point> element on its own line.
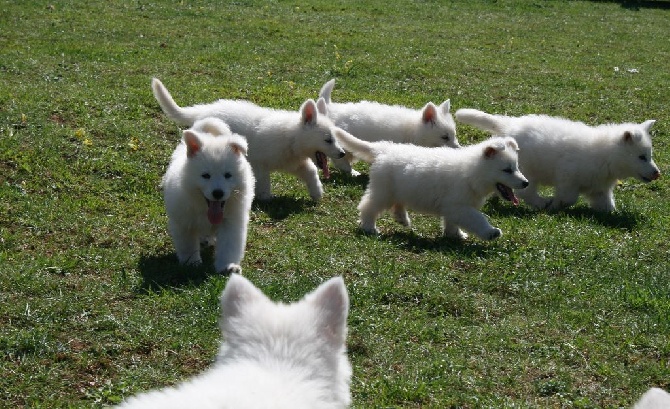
<point>281,207</point>
<point>161,271</point>
<point>409,240</point>
<point>620,219</point>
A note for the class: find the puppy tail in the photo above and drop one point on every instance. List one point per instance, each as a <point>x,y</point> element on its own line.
<point>326,90</point>
<point>481,120</point>
<point>178,114</point>
<point>361,149</point>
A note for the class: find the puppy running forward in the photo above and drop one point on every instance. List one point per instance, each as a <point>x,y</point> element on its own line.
<point>452,183</point>
<point>278,140</point>
<point>431,126</point>
<point>208,189</point>
<point>273,355</point>
<point>572,157</point>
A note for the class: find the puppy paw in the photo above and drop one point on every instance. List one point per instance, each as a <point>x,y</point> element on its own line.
<point>369,230</point>
<point>494,234</point>
<point>231,268</point>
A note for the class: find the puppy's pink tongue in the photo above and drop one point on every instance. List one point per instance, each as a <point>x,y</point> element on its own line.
<point>215,211</point>
<point>515,200</point>
<point>322,163</point>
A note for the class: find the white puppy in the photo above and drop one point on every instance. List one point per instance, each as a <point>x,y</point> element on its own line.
<point>273,355</point>
<point>654,398</point>
<point>572,157</point>
<point>278,140</point>
<point>208,189</point>
<point>452,183</point>
<point>431,126</point>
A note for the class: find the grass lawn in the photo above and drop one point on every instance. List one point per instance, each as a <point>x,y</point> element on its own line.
<point>566,310</point>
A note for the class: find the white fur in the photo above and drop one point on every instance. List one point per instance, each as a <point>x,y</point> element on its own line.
<point>654,398</point>
<point>431,126</point>
<point>278,140</point>
<point>452,183</point>
<point>209,170</point>
<point>274,356</point>
<point>572,157</point>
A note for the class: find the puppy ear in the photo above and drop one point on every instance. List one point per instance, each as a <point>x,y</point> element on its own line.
<point>238,292</point>
<point>239,146</point>
<point>331,301</point>
<point>322,107</point>
<point>309,112</point>
<point>429,113</point>
<point>630,137</point>
<point>646,125</point>
<point>445,107</point>
<point>492,150</point>
<point>511,142</point>
<point>193,143</point>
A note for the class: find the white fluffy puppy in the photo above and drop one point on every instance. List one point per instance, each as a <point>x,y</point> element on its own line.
<point>572,157</point>
<point>278,140</point>
<point>273,356</point>
<point>452,183</point>
<point>654,398</point>
<point>208,189</point>
<point>431,126</point>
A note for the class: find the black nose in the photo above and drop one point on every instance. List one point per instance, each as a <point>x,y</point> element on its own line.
<point>217,194</point>
<point>524,184</point>
<point>342,154</point>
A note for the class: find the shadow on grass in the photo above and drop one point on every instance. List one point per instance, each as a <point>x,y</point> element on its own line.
<point>639,4</point>
<point>164,271</point>
<point>281,207</point>
<point>410,241</point>
<point>620,219</point>
<point>341,179</point>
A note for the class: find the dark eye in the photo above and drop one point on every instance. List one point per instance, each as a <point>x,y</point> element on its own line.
<point>227,175</point>
<point>508,170</point>
<point>329,141</point>
<point>643,157</point>
<point>445,137</point>
<point>206,176</point>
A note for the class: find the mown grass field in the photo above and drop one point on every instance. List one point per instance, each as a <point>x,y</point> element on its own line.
<point>566,310</point>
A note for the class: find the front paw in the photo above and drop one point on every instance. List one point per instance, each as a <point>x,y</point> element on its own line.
<point>231,268</point>
<point>494,234</point>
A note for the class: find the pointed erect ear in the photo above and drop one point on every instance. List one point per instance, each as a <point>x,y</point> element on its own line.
<point>309,112</point>
<point>322,107</point>
<point>238,292</point>
<point>193,143</point>
<point>429,113</point>
<point>492,150</point>
<point>631,137</point>
<point>239,146</point>
<point>648,124</point>
<point>445,106</point>
<point>511,142</point>
<point>332,302</point>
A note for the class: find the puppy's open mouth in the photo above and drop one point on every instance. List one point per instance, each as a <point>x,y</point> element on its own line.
<point>322,163</point>
<point>507,193</point>
<point>215,210</point>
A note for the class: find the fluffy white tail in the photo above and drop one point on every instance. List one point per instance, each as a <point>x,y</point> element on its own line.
<point>481,120</point>
<point>326,90</point>
<point>183,116</point>
<point>361,149</point>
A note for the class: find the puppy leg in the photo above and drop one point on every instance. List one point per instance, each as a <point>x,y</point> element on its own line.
<point>564,196</point>
<point>452,231</point>
<point>309,174</point>
<point>473,221</point>
<point>602,201</point>
<point>263,186</point>
<point>370,208</point>
<point>186,244</point>
<point>230,241</point>
<point>531,196</point>
<point>400,214</point>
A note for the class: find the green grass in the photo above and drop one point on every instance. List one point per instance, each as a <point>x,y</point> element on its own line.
<point>568,309</point>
